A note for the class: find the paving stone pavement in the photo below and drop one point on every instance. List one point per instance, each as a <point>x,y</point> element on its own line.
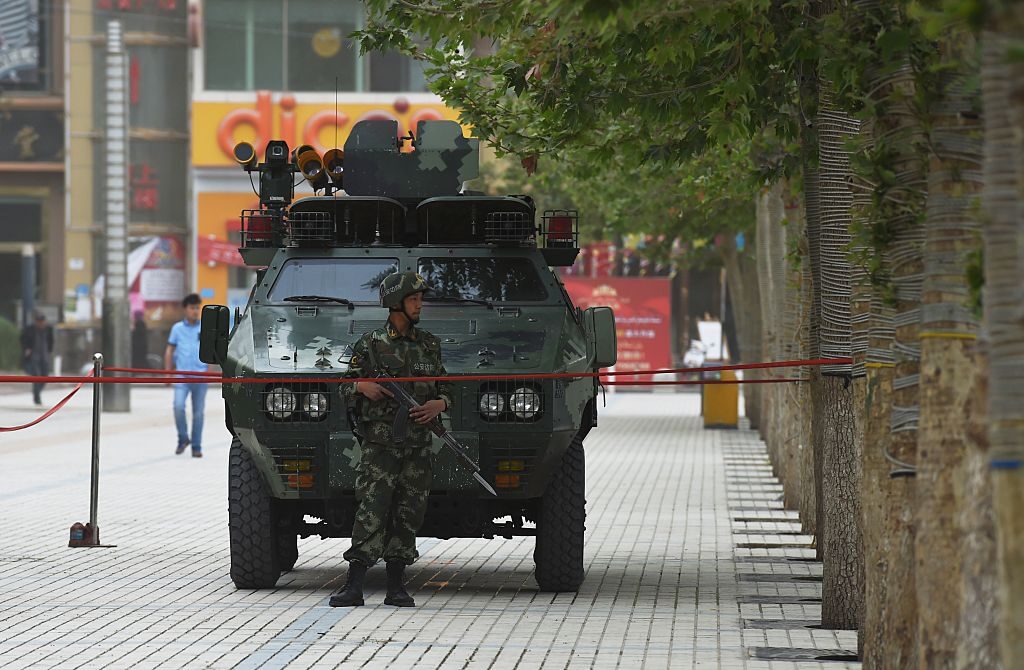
<point>677,560</point>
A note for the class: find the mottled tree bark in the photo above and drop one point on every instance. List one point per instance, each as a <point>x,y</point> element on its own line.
<point>978,643</point>
<point>876,490</point>
<point>1003,234</point>
<point>793,349</point>
<point>766,424</point>
<point>741,277</point>
<point>809,298</point>
<point>947,361</point>
<point>839,517</point>
<point>843,576</point>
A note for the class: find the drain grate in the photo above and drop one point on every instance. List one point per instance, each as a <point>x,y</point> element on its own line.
<point>778,600</point>
<point>771,577</point>
<point>781,624</point>
<point>766,531</point>
<point>796,654</point>
<point>775,559</point>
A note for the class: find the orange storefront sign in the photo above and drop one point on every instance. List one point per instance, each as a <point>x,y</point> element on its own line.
<point>218,126</point>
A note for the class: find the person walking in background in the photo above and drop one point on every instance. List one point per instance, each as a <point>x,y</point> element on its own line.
<point>37,347</point>
<point>140,342</point>
<point>182,353</point>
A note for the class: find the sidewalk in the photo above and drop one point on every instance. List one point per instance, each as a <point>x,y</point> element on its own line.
<point>676,578</point>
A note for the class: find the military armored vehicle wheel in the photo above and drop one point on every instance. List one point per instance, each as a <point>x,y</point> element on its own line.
<point>255,562</point>
<point>558,554</point>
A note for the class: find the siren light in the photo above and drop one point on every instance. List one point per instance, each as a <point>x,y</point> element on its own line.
<point>334,161</point>
<point>560,228</point>
<point>245,155</point>
<point>312,168</point>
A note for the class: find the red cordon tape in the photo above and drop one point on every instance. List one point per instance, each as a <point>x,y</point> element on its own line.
<point>189,376</point>
<point>214,378</point>
<point>10,429</point>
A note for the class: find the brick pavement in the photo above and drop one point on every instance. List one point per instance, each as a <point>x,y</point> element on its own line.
<point>681,572</point>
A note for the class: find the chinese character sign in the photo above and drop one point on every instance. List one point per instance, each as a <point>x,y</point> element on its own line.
<point>643,318</point>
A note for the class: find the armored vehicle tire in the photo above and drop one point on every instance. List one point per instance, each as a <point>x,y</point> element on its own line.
<point>254,540</point>
<point>558,554</point>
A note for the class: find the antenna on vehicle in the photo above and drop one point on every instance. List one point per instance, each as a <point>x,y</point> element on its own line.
<point>335,192</point>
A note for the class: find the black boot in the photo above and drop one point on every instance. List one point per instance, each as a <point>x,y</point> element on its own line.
<point>397,595</point>
<point>351,595</point>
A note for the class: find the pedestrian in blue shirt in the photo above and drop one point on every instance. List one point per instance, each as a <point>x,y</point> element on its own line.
<point>182,353</point>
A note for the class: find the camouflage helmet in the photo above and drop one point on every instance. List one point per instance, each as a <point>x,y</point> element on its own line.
<point>398,286</point>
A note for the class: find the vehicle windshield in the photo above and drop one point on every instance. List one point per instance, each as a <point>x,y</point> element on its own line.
<point>355,279</point>
<point>492,279</point>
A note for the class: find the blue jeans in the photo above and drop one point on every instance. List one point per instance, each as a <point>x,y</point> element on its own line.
<point>198,392</point>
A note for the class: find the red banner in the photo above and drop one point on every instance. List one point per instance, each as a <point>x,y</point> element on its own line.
<point>212,250</point>
<point>643,313</point>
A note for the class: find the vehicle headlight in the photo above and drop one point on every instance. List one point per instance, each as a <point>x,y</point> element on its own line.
<point>279,402</point>
<point>491,404</point>
<point>525,403</point>
<point>315,405</point>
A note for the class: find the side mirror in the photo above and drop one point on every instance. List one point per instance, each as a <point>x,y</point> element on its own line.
<point>599,323</point>
<point>213,334</point>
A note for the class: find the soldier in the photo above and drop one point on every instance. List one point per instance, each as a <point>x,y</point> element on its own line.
<point>395,467</point>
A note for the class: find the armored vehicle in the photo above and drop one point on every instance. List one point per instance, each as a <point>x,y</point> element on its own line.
<point>382,205</point>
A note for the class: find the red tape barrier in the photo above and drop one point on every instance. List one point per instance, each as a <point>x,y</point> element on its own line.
<point>194,377</point>
<point>208,377</point>
<point>50,412</point>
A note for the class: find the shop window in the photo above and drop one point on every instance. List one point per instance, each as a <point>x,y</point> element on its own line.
<point>297,45</point>
<point>23,221</point>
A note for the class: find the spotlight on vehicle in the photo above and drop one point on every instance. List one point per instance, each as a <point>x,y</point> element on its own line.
<point>334,164</point>
<point>245,155</point>
<point>312,168</point>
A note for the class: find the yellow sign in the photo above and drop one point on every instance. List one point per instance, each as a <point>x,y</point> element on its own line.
<point>218,126</point>
<point>327,42</point>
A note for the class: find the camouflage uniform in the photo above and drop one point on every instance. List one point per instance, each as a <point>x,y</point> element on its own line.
<point>394,479</point>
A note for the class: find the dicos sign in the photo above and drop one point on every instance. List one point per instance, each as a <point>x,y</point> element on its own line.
<point>218,126</point>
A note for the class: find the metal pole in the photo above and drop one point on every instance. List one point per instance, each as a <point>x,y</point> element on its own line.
<point>116,314</point>
<point>28,284</point>
<point>94,481</point>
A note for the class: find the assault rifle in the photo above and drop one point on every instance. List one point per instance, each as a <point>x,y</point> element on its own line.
<point>407,402</point>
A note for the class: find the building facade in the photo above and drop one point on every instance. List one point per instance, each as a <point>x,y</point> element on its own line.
<point>279,69</point>
<point>32,157</point>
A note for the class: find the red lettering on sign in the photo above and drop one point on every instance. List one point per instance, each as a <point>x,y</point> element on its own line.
<point>144,188</point>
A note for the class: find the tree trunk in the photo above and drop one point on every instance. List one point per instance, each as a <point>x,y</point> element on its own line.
<point>947,361</point>
<point>764,292</point>
<point>1002,232</point>
<point>741,278</point>
<point>877,491</point>
<point>978,645</point>
<point>777,303</point>
<point>839,530</point>
<point>889,208</point>
<point>810,473</point>
<point>793,341</point>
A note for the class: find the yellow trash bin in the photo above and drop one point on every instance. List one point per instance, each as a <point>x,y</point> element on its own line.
<point>721,402</point>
